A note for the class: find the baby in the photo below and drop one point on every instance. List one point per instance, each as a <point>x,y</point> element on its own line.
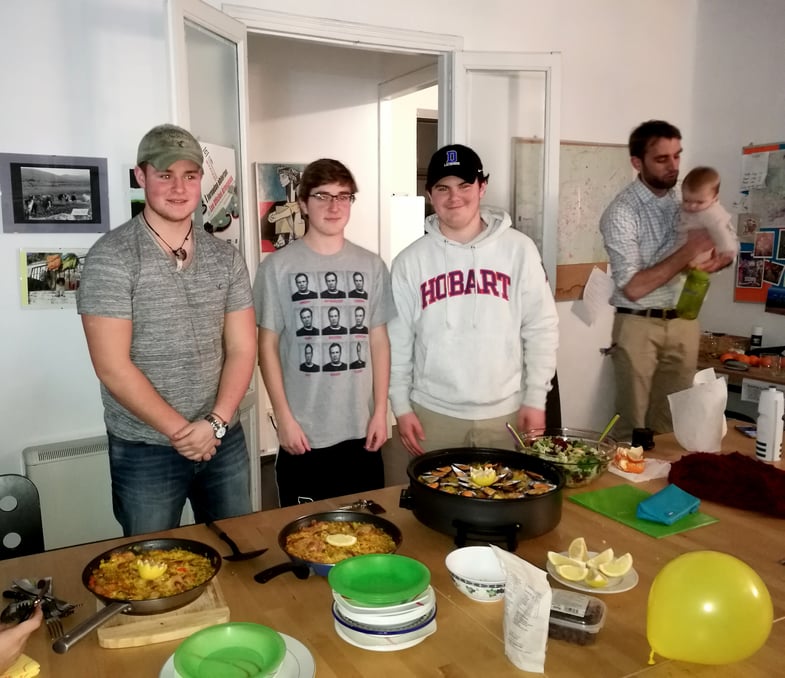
<point>700,208</point>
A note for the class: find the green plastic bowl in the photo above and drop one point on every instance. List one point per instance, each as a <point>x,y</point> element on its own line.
<point>231,650</point>
<point>379,578</point>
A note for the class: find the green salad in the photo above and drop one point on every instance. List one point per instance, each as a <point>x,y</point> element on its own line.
<point>580,461</point>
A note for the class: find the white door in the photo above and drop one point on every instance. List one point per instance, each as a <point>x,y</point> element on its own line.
<point>492,101</point>
<point>209,85</point>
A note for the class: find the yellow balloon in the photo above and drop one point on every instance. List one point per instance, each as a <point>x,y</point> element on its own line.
<point>708,607</point>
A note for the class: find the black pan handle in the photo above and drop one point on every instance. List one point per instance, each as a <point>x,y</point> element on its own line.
<point>300,571</point>
<point>225,537</point>
<point>64,643</point>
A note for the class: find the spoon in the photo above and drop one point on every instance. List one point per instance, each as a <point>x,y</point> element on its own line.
<point>236,554</point>
<point>515,434</point>
<point>608,428</point>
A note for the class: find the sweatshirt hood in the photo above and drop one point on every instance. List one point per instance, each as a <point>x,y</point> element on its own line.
<point>496,222</point>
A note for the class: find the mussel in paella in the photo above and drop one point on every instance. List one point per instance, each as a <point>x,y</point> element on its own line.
<point>486,481</point>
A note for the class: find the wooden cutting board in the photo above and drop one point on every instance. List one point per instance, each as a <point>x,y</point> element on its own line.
<point>133,631</point>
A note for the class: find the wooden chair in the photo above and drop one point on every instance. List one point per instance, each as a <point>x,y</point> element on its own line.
<point>21,529</point>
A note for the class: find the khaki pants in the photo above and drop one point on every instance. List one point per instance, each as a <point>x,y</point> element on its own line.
<point>443,432</point>
<point>652,358</point>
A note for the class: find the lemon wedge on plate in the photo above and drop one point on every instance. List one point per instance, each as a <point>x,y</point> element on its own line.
<point>572,572</point>
<point>555,558</point>
<point>577,549</point>
<point>596,579</point>
<point>617,567</point>
<point>341,539</point>
<point>605,557</point>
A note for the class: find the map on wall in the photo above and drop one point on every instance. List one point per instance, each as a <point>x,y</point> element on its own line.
<point>590,176</point>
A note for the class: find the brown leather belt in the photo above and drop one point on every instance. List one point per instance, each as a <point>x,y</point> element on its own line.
<point>662,313</point>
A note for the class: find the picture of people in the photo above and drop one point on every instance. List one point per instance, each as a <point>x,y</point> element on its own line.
<point>359,326</point>
<point>280,221</point>
<point>308,364</point>
<point>748,225</point>
<point>331,290</point>
<point>334,322</point>
<point>51,278</point>
<point>359,363</point>
<point>772,272</point>
<point>749,271</point>
<point>335,364</point>
<point>359,291</point>
<point>302,291</point>
<point>306,328</point>
<point>764,244</point>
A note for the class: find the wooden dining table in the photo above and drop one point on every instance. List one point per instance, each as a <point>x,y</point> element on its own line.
<point>469,639</point>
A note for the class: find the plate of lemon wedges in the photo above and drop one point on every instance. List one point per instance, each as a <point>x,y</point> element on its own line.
<point>592,571</point>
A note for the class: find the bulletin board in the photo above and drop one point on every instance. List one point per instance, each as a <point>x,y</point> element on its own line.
<point>760,267</point>
<point>590,176</point>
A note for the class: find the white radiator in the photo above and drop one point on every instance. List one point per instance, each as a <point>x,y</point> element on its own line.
<point>74,485</point>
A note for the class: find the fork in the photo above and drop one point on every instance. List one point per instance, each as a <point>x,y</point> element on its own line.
<point>55,627</point>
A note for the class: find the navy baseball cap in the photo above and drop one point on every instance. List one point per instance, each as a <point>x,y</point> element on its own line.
<point>454,160</point>
<point>164,145</point>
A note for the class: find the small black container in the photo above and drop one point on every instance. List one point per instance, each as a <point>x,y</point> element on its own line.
<point>643,437</point>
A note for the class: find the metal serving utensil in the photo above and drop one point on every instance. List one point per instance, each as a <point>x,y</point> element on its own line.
<point>363,504</point>
<point>236,554</point>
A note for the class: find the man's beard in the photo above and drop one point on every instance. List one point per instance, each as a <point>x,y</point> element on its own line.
<point>657,183</point>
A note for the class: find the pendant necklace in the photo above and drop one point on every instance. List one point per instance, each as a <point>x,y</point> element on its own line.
<point>179,254</point>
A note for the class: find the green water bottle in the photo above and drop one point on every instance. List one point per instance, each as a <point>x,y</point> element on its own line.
<point>693,294</point>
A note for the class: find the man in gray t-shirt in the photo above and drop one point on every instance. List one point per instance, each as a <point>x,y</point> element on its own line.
<point>167,313</point>
<point>331,421</point>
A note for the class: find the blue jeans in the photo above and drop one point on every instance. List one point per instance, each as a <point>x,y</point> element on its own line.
<point>150,483</point>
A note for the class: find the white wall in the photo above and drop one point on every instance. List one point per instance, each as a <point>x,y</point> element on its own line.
<point>89,77</point>
<point>83,78</point>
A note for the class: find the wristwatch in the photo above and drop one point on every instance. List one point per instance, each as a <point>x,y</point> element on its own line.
<point>219,427</point>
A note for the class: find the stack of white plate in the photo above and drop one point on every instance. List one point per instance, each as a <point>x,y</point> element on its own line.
<point>385,628</point>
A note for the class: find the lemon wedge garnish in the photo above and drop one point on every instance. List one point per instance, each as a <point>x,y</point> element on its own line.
<point>577,549</point>
<point>150,570</point>
<point>483,476</point>
<point>618,567</point>
<point>341,539</point>
<point>605,557</point>
<point>596,579</point>
<point>556,559</point>
<point>572,572</point>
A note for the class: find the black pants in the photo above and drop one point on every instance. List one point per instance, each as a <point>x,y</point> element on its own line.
<point>344,468</point>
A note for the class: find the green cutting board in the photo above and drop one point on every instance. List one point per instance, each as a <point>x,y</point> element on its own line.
<point>620,503</point>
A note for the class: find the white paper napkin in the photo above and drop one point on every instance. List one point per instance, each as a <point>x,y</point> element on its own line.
<point>654,468</point>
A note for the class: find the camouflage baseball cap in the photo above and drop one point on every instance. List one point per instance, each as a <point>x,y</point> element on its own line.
<point>164,145</point>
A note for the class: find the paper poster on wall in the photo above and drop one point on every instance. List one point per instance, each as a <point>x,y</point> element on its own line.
<point>220,204</point>
<point>280,221</point>
<point>49,278</point>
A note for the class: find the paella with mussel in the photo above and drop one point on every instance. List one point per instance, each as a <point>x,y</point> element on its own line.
<point>486,480</point>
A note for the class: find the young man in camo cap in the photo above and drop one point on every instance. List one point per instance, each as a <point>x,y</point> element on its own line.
<point>168,316</point>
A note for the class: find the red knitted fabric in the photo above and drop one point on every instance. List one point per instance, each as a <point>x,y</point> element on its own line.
<point>732,479</point>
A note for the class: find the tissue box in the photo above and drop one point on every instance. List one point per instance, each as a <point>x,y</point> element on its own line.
<point>575,617</point>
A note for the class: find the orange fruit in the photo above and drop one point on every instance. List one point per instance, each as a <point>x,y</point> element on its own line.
<point>753,361</point>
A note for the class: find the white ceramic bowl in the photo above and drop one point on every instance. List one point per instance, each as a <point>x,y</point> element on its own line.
<point>476,572</point>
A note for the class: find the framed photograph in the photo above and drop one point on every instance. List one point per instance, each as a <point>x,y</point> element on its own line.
<point>53,194</point>
<point>280,221</point>
<point>48,279</point>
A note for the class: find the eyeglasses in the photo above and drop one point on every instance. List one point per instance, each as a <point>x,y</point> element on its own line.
<point>327,198</point>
